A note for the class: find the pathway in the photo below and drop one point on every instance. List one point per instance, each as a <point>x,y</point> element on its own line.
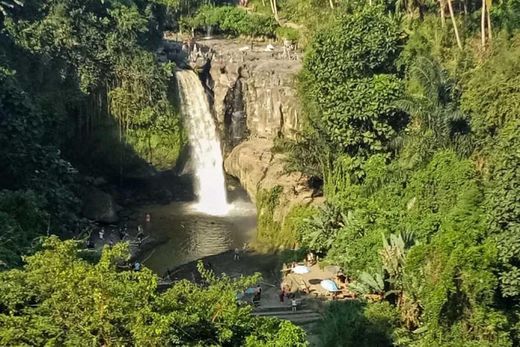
<point>305,316</point>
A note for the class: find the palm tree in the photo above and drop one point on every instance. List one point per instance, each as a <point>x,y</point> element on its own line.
<point>488,8</point>
<point>431,103</point>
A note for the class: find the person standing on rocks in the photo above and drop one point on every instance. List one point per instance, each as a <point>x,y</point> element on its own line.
<point>102,234</point>
<point>236,255</point>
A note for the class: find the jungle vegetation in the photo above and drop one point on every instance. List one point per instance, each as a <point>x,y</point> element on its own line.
<point>412,122</point>
<point>82,92</point>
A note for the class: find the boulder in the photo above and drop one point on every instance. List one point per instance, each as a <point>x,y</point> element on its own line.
<point>100,206</point>
<point>163,196</point>
<point>258,168</point>
<point>99,181</point>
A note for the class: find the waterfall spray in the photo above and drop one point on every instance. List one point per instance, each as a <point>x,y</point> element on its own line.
<point>210,186</point>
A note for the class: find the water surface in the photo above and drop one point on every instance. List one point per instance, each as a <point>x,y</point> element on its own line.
<point>191,235</point>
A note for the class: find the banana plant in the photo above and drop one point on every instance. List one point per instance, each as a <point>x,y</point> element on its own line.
<point>369,284</point>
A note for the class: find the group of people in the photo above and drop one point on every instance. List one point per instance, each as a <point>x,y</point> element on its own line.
<point>256,293</point>
<point>194,51</point>
<point>108,237</point>
<point>123,232</point>
<point>286,293</point>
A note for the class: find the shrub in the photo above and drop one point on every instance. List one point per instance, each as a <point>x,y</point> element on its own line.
<point>286,33</point>
<point>352,323</point>
<point>234,21</point>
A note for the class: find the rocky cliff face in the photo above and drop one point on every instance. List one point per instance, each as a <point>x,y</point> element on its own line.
<point>258,168</point>
<point>262,81</point>
<point>255,101</point>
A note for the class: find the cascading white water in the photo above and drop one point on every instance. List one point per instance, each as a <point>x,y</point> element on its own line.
<point>210,186</point>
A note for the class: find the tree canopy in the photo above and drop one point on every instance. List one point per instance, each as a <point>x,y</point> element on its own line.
<point>59,297</point>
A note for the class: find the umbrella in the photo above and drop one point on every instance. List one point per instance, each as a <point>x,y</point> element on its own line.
<point>329,285</point>
<point>301,269</point>
<point>250,290</point>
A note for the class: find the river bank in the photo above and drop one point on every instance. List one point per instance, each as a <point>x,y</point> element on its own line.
<point>249,262</point>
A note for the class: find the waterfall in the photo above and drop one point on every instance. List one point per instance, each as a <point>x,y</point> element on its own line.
<point>210,186</point>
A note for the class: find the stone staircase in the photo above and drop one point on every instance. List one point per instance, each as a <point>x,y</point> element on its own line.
<point>303,316</point>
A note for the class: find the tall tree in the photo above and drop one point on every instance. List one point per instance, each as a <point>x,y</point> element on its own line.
<point>442,9</point>
<point>488,10</point>
<point>485,20</point>
<point>483,24</point>
<point>454,22</point>
<point>274,8</point>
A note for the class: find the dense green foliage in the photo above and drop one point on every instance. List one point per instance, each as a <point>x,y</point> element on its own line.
<point>79,83</point>
<point>62,299</point>
<point>36,184</point>
<point>233,20</point>
<point>88,61</point>
<point>267,226</point>
<point>416,140</point>
<point>275,229</point>
<point>354,324</point>
<point>352,95</point>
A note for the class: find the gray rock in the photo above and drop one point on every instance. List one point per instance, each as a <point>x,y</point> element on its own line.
<point>142,172</point>
<point>267,89</point>
<point>99,181</point>
<point>257,168</point>
<point>100,206</point>
<point>163,196</point>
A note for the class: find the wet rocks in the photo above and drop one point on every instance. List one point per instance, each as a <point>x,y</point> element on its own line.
<point>100,206</point>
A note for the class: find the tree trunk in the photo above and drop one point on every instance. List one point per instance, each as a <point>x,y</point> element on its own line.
<point>488,9</point>
<point>331,4</point>
<point>454,25</point>
<point>274,8</point>
<point>483,24</point>
<point>443,15</point>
